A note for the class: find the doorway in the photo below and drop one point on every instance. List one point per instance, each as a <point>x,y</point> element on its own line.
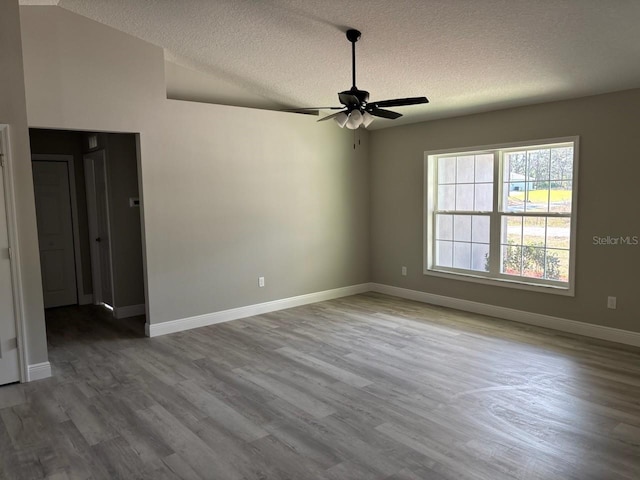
<point>89,219</point>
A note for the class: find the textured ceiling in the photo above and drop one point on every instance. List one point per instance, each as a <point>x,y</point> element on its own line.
<point>465,55</point>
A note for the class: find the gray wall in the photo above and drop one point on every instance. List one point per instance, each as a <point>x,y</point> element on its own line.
<point>62,142</point>
<point>229,194</point>
<point>609,169</point>
<point>13,112</point>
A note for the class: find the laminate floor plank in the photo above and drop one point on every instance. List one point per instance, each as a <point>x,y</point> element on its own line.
<point>363,387</point>
<point>220,412</point>
<point>147,444</point>
<point>75,453</point>
<point>327,368</point>
<point>280,388</point>
<point>184,441</point>
<point>180,468</point>
<point>309,448</point>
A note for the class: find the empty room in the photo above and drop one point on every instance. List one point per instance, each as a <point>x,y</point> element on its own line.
<point>319,240</point>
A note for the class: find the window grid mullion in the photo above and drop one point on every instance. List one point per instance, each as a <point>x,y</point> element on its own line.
<point>455,190</point>
<point>495,222</point>
<point>546,235</point>
<point>434,223</point>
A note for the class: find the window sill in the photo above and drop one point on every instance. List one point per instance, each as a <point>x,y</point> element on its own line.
<point>567,291</point>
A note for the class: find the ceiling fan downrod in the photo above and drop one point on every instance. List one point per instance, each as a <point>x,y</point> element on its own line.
<point>353,36</point>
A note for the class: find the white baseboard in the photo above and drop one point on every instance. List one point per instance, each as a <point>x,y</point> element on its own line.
<point>555,323</point>
<point>129,311</point>
<point>86,299</point>
<point>38,371</point>
<point>172,326</point>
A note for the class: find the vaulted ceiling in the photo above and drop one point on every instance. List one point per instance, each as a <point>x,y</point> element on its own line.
<point>465,55</point>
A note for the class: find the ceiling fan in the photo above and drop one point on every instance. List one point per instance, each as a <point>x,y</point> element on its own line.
<point>356,109</point>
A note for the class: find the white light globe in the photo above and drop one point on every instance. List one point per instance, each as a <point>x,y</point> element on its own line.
<point>355,120</point>
<point>367,118</point>
<point>341,119</point>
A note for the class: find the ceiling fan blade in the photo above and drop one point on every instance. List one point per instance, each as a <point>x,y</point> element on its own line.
<point>302,111</point>
<point>309,109</point>
<point>348,99</point>
<point>401,102</point>
<point>329,117</point>
<point>379,112</point>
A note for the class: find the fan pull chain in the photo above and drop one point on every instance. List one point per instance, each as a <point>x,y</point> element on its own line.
<point>354,137</point>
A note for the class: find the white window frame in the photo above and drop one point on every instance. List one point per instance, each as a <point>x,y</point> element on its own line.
<point>495,278</point>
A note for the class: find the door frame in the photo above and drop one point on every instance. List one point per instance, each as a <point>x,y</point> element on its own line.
<point>83,298</point>
<point>93,227</point>
<point>16,270</point>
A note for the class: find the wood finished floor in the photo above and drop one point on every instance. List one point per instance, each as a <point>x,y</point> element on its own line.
<point>365,387</point>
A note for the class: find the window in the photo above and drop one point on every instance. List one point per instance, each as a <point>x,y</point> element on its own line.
<point>503,214</point>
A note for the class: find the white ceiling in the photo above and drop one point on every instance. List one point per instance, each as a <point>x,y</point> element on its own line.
<point>464,55</point>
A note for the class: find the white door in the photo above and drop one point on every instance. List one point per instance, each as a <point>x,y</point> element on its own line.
<point>9,366</point>
<point>95,171</point>
<point>55,233</point>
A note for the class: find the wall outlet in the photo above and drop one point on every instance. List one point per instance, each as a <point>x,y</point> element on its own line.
<point>261,281</point>
<point>611,303</point>
<point>404,271</point>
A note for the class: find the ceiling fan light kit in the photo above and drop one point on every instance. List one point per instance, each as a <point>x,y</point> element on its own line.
<point>353,120</point>
<point>356,109</point>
